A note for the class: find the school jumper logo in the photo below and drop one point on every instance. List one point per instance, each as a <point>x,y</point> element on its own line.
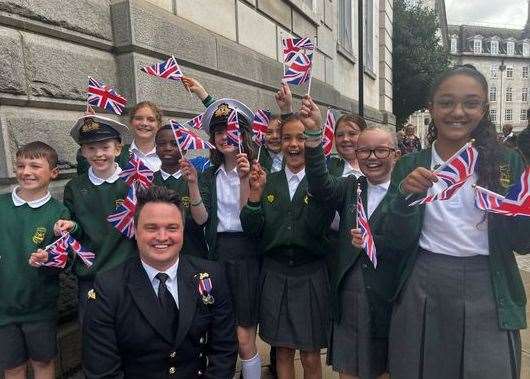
<point>270,198</point>
<point>185,201</point>
<point>39,235</point>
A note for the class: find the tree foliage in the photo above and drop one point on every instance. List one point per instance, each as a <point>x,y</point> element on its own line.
<point>418,56</point>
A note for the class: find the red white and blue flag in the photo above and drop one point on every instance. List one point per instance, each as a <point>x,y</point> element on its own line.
<point>105,97</point>
<point>196,122</point>
<point>260,125</point>
<point>453,174</point>
<point>86,256</point>
<point>232,129</point>
<point>329,133</point>
<point>168,69</point>
<point>57,253</point>
<point>188,139</point>
<point>368,242</point>
<point>137,171</point>
<point>123,218</point>
<point>298,70</point>
<point>291,47</point>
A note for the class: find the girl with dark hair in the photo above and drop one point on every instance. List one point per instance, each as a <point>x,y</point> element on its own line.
<point>460,299</point>
<point>224,190</point>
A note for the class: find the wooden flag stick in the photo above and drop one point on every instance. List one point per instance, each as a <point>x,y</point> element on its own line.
<point>259,151</point>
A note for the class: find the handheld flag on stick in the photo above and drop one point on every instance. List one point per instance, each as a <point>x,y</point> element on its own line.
<point>232,130</point>
<point>57,253</point>
<point>105,97</point>
<point>137,171</point>
<point>366,233</point>
<point>188,139</point>
<point>329,133</point>
<point>453,174</point>
<point>123,218</point>
<point>86,256</point>
<point>298,71</point>
<point>168,69</point>
<point>196,122</point>
<point>259,127</point>
<point>291,46</point>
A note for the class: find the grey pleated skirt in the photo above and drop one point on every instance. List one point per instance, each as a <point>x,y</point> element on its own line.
<point>294,305</point>
<point>241,261</point>
<point>445,325</point>
<point>352,350</point>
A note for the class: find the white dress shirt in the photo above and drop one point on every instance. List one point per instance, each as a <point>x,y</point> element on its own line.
<point>228,199</point>
<point>375,194</point>
<point>97,181</point>
<point>171,282</point>
<point>166,176</point>
<point>277,159</point>
<point>456,226</point>
<point>18,201</point>
<point>150,159</point>
<point>349,170</point>
<point>293,180</point>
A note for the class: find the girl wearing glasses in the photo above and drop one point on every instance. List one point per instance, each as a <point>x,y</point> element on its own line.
<point>460,299</point>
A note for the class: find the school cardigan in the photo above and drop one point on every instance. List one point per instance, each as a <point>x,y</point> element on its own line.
<point>290,232</point>
<point>28,294</point>
<point>194,243</point>
<point>404,223</point>
<point>90,205</point>
<point>335,166</point>
<point>341,194</point>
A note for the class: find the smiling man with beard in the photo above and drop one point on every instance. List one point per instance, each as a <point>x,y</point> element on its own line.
<point>161,315</point>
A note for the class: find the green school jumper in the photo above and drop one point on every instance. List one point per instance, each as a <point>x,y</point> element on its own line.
<point>194,243</point>
<point>90,205</point>
<point>405,224</point>
<point>27,294</point>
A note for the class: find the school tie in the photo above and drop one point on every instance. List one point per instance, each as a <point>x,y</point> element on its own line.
<point>276,164</point>
<point>167,302</point>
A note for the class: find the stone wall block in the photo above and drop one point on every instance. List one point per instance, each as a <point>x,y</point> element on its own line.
<point>12,78</point>
<point>162,32</point>
<point>278,10</point>
<point>60,69</point>
<point>91,17</point>
<point>302,26</point>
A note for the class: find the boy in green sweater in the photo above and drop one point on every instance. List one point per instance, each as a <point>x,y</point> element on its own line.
<point>28,306</point>
<point>93,196</point>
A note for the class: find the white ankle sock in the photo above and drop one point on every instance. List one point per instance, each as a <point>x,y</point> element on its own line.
<point>251,368</point>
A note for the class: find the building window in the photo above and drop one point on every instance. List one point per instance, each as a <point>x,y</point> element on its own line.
<point>454,44</point>
<point>524,95</point>
<point>525,72</point>
<point>508,115</point>
<point>494,47</point>
<point>510,48</point>
<point>477,46</point>
<point>523,117</point>
<point>493,115</point>
<point>509,94</point>
<point>526,49</point>
<point>493,71</point>
<point>509,72</point>
<point>345,25</point>
<point>369,34</point>
<point>493,93</point>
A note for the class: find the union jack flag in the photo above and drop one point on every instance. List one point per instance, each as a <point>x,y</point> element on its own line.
<point>168,69</point>
<point>123,218</point>
<point>366,232</point>
<point>57,253</point>
<point>329,133</point>
<point>196,122</point>
<point>86,256</point>
<point>188,139</point>
<point>260,125</point>
<point>137,171</point>
<point>232,129</point>
<point>515,203</point>
<point>291,46</point>
<point>298,71</point>
<point>105,97</point>
<point>453,174</point>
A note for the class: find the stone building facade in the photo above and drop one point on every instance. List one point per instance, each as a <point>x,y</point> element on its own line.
<point>48,48</point>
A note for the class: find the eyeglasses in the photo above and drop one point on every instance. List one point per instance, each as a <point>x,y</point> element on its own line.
<point>379,152</point>
<point>468,105</point>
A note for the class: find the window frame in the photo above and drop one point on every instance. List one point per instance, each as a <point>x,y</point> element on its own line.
<point>493,94</point>
<point>507,112</point>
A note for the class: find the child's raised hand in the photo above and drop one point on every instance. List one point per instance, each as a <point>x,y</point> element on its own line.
<point>257,178</point>
<point>194,86</point>
<point>242,165</point>
<point>284,99</point>
<point>356,238</point>
<point>63,226</point>
<point>310,114</point>
<point>188,171</point>
<point>38,258</point>
<point>418,181</point>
